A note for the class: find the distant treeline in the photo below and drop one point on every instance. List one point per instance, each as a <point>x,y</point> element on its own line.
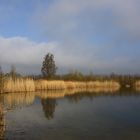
<point>124,80</point>
<point>49,69</point>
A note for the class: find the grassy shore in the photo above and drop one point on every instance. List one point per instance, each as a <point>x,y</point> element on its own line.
<point>29,85</point>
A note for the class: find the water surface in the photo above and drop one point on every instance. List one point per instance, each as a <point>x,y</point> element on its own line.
<point>76,116</point>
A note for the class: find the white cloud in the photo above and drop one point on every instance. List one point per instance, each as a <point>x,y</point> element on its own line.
<point>27,54</point>
<point>22,51</point>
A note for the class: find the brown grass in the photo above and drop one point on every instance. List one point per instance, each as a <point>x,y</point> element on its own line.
<point>49,85</point>
<point>137,85</point>
<point>104,84</point>
<point>59,85</point>
<point>29,85</point>
<point>19,85</point>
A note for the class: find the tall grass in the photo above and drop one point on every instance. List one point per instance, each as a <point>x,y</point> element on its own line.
<point>54,85</point>
<point>29,85</point>
<point>59,85</point>
<point>137,85</point>
<point>19,85</point>
<point>104,84</point>
<point>49,85</point>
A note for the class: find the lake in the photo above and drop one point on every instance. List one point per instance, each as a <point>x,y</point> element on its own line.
<point>73,116</point>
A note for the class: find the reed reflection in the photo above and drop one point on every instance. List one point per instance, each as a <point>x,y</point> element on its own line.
<point>15,100</point>
<point>48,98</point>
<point>54,94</point>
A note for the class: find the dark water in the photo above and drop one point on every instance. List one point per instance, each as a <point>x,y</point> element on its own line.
<point>80,116</point>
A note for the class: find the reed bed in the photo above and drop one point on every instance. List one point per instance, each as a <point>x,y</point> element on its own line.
<point>104,84</point>
<point>59,85</point>
<point>137,85</point>
<point>50,85</point>
<point>29,85</point>
<point>19,85</point>
<point>70,85</point>
<point>80,85</point>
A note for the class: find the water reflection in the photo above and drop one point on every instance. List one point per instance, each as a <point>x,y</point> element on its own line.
<point>2,122</point>
<point>49,105</point>
<point>51,100</point>
<point>109,115</point>
<point>54,94</point>
<point>14,100</point>
<point>48,99</point>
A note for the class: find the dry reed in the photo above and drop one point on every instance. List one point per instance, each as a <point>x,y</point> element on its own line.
<point>19,85</point>
<point>137,85</point>
<point>104,84</point>
<point>29,85</point>
<point>49,85</point>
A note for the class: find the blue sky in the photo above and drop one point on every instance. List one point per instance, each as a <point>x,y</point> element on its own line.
<point>102,36</point>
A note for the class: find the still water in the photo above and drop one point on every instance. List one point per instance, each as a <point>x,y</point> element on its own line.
<point>73,116</point>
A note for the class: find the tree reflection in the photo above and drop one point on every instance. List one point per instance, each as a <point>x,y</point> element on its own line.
<point>49,107</point>
<point>79,96</point>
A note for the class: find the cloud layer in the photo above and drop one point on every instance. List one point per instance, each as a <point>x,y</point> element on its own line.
<point>28,55</point>
<point>89,35</point>
<point>21,51</point>
<point>106,32</point>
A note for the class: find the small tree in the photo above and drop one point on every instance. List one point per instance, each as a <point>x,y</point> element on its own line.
<point>48,66</point>
<point>13,73</point>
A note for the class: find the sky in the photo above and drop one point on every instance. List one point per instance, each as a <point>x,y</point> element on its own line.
<point>99,36</point>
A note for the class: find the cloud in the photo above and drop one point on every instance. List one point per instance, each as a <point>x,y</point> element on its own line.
<point>28,55</point>
<point>98,35</point>
<point>22,51</point>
